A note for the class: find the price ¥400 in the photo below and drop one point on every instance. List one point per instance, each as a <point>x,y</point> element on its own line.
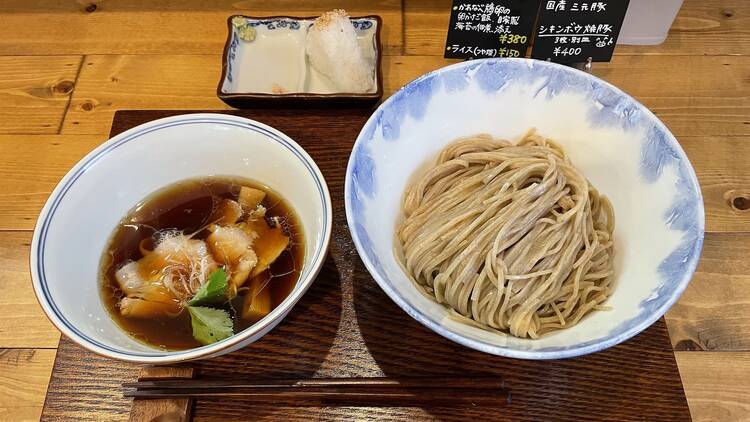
<point>567,51</point>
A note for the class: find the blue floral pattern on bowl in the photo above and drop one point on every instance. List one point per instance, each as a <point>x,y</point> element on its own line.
<point>362,24</point>
<point>439,97</point>
<point>232,55</point>
<point>271,24</point>
<point>295,24</point>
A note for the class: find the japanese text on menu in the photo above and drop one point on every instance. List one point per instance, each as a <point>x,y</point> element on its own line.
<point>571,31</point>
<point>490,28</point>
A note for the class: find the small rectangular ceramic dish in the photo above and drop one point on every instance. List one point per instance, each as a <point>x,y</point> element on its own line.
<point>272,69</point>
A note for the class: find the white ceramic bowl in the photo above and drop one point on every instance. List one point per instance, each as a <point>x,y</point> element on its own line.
<point>626,152</point>
<point>85,207</point>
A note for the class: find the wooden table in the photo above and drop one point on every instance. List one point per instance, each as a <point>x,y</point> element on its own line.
<point>66,66</point>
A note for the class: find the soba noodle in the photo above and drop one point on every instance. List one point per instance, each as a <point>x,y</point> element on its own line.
<point>510,237</point>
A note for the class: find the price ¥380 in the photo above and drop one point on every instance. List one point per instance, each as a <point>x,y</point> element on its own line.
<point>512,39</point>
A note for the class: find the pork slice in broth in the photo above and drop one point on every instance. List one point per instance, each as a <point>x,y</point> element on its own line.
<point>161,282</point>
<point>233,247</point>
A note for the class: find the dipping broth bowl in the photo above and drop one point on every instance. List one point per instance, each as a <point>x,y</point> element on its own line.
<point>80,215</point>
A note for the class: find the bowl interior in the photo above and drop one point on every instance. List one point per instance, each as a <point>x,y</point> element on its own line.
<point>79,218</point>
<point>623,149</point>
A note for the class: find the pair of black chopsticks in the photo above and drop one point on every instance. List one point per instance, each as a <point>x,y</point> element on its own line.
<point>376,392</point>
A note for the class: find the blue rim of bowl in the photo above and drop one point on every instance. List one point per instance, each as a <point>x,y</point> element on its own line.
<point>39,277</point>
<point>482,346</point>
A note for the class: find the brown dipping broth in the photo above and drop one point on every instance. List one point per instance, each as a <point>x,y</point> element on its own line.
<point>186,206</point>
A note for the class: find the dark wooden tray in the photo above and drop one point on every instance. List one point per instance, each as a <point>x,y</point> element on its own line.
<point>345,326</point>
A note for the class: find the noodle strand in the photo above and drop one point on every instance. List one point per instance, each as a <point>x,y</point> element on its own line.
<point>511,237</point>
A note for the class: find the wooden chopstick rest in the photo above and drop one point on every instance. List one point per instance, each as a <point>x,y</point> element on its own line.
<point>172,409</point>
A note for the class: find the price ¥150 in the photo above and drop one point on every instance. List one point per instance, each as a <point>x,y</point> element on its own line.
<point>512,39</point>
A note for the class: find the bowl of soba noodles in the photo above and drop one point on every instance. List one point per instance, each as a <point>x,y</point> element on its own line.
<point>523,208</point>
<point>183,238</point>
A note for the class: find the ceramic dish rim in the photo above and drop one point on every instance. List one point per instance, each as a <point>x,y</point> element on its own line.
<point>301,95</point>
<point>265,324</point>
<point>504,351</point>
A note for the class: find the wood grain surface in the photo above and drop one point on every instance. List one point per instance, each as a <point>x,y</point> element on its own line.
<point>24,374</point>
<point>34,92</point>
<point>22,322</point>
<point>710,97</point>
<point>158,27</point>
<point>718,389</point>
<point>38,163</point>
<point>154,55</point>
<point>714,311</point>
<point>345,326</point>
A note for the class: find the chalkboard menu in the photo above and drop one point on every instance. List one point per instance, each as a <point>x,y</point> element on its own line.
<point>572,31</point>
<point>480,29</point>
